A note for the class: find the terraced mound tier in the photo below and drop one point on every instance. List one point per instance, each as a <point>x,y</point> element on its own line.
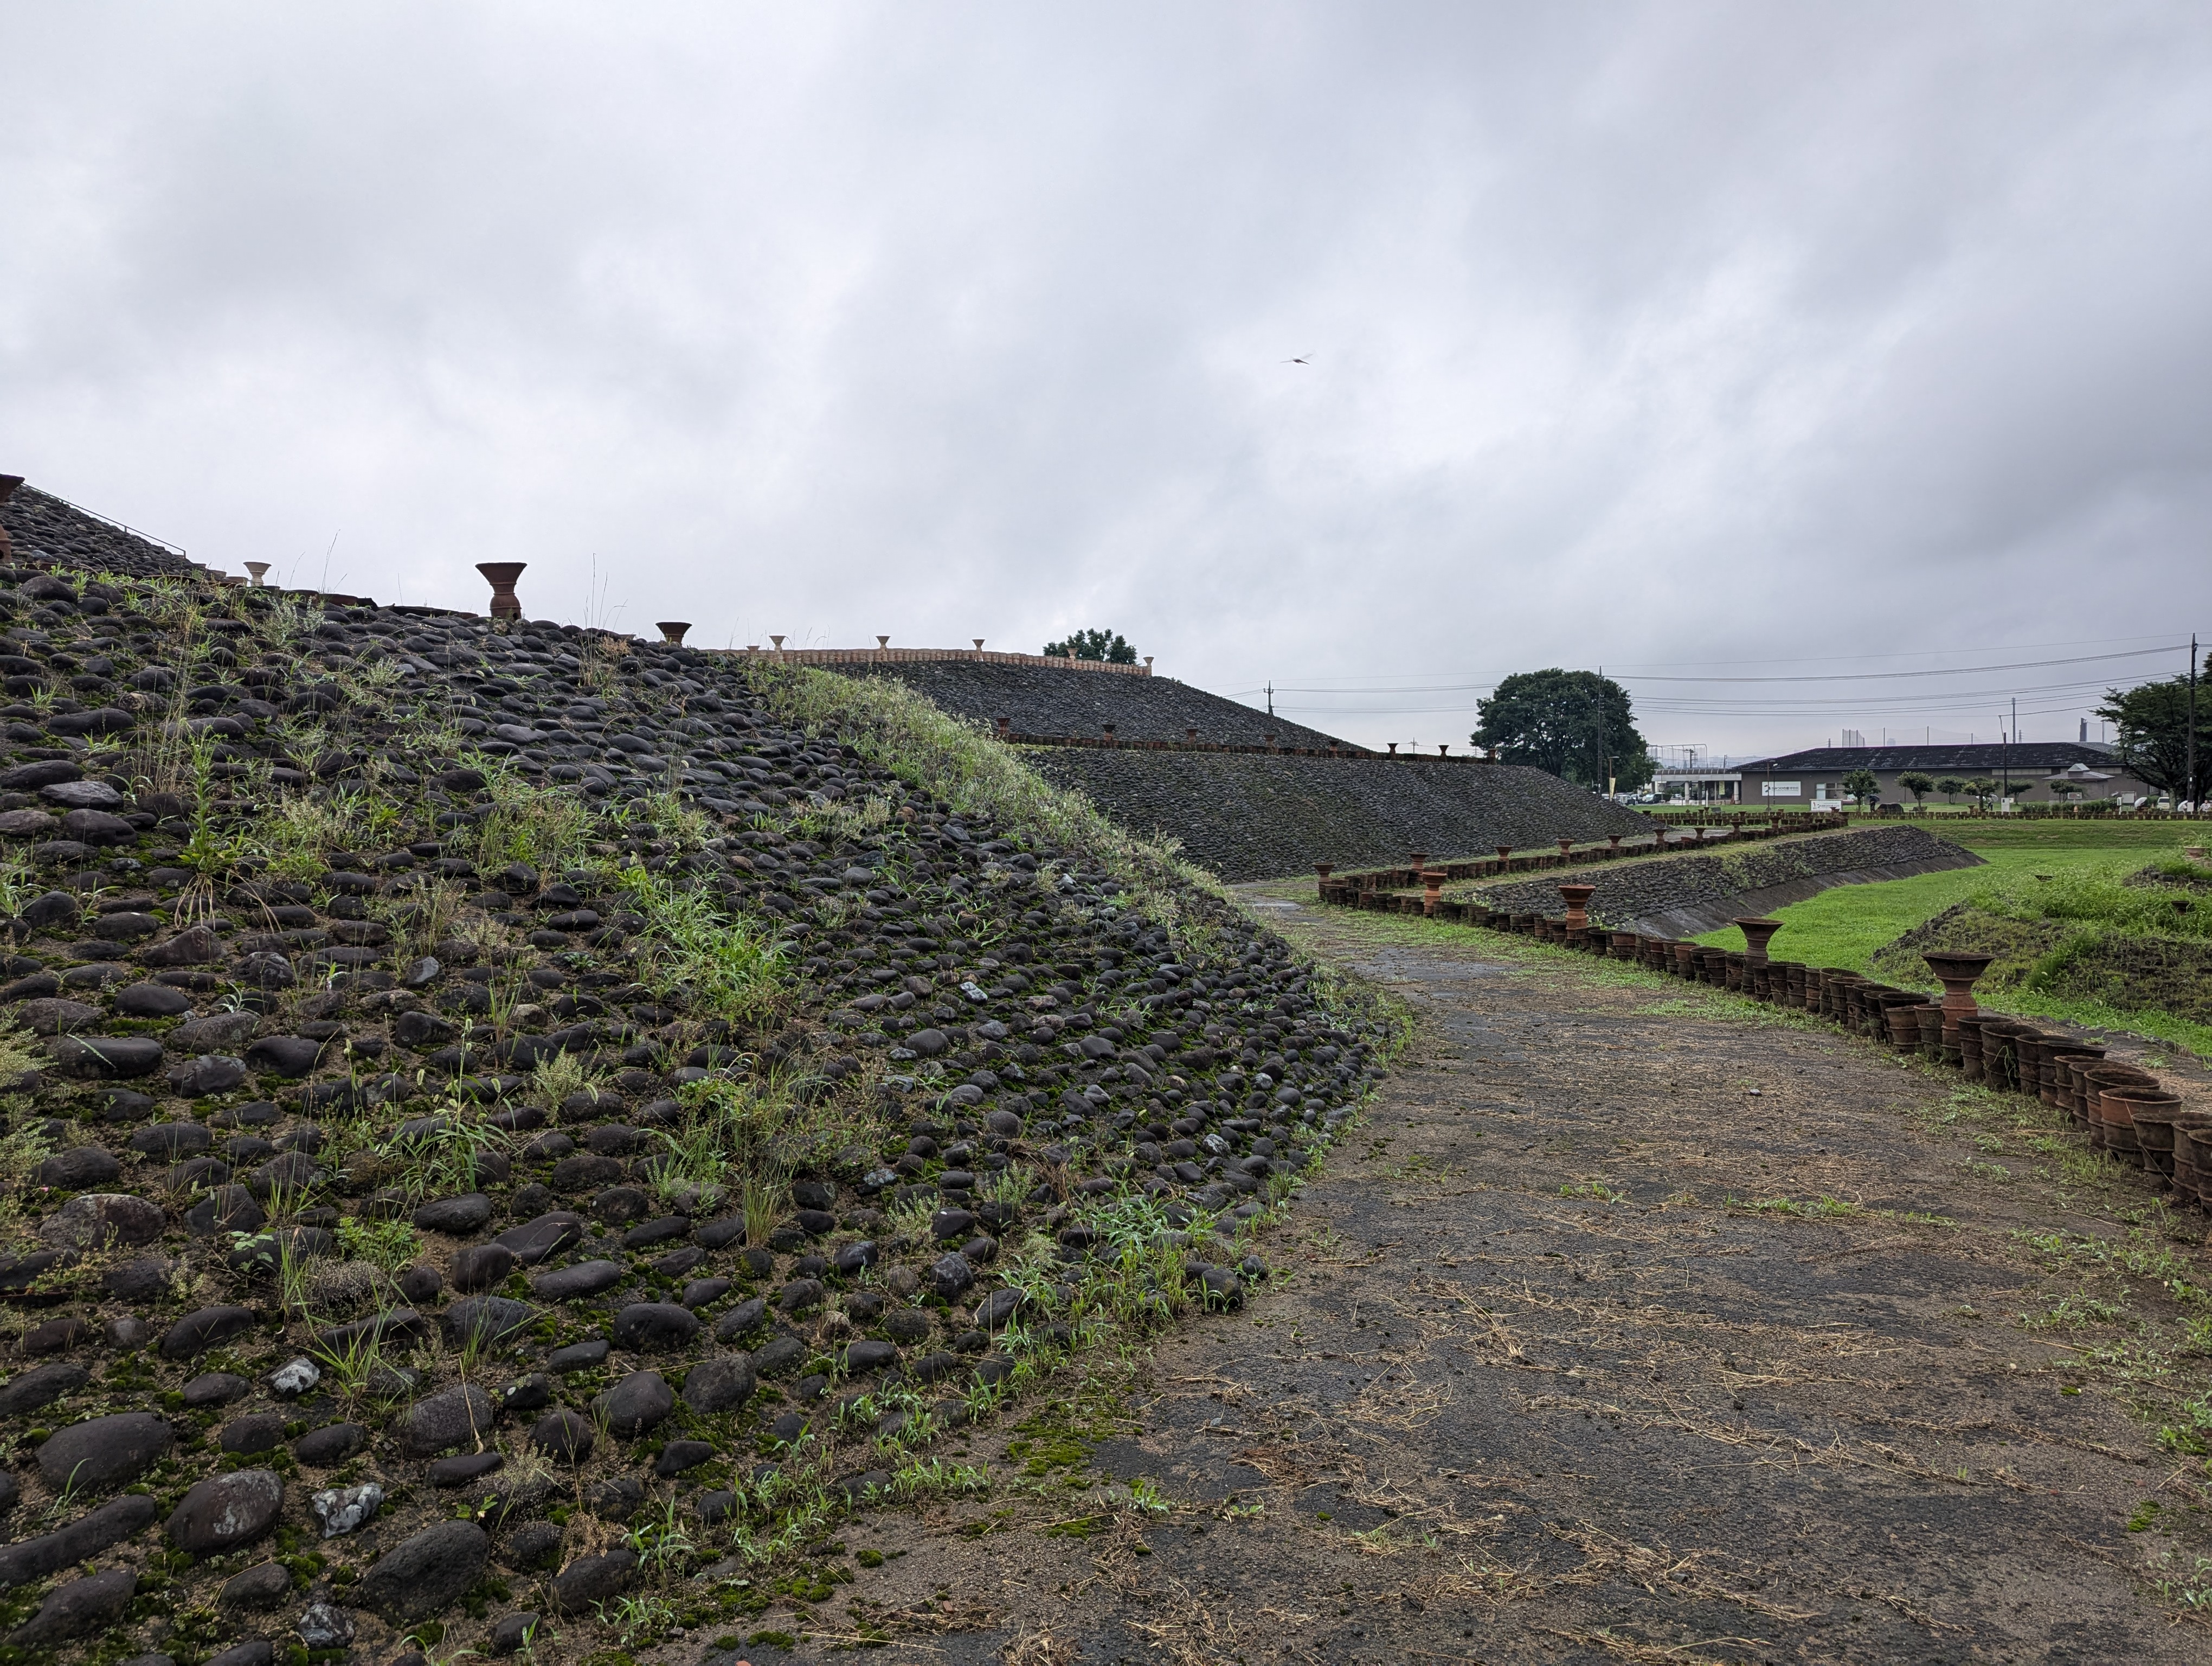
<point>1038,700</point>
<point>1245,817</point>
<point>1702,890</point>
<point>41,528</point>
<point>524,1124</point>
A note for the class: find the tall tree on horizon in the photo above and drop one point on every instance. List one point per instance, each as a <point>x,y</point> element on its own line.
<point>1107,646</point>
<point>1577,724</point>
<point>2150,727</point>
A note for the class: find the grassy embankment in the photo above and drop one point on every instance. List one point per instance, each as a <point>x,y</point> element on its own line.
<point>2052,884</point>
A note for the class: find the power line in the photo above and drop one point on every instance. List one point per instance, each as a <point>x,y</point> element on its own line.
<point>1419,682</point>
<point>1954,671</point>
<point>1838,677</point>
<point>1691,707</point>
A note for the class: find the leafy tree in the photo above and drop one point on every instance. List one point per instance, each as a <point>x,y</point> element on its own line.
<point>1104,644</point>
<point>1984,790</point>
<point>2063,790</point>
<point>1918,785</point>
<point>1574,723</point>
<point>1950,786</point>
<point>1861,784</point>
<point>2151,724</point>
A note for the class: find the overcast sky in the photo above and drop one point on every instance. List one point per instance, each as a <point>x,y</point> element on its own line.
<point>1666,338</point>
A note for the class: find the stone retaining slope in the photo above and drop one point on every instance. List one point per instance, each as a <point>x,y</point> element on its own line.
<point>1682,896</point>
<point>431,1009</point>
<point>1250,817</point>
<point>1038,700</point>
<point>42,527</point>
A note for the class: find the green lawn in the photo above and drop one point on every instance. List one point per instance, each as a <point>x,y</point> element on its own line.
<point>1847,926</point>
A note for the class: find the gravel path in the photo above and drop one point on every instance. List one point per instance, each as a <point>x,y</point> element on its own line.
<point>1569,1361</point>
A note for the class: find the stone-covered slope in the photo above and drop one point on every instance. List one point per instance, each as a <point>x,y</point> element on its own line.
<point>1036,700</point>
<point>42,527</point>
<point>476,1095</point>
<point>1247,817</point>
<point>1701,891</point>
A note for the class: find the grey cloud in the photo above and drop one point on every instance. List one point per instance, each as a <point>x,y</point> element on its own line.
<point>1640,334</point>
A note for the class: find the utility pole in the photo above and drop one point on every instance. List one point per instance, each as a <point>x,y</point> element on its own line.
<point>2194,797</point>
<point>2011,741</point>
<point>1604,767</point>
<point>2004,760</point>
<point>1271,697</point>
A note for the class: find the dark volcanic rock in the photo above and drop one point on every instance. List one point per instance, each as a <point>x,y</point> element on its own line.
<point>218,1032</point>
<point>55,1015</point>
<point>510,1631</point>
<point>78,1170</point>
<point>261,1587</point>
<point>585,1278</point>
<point>591,1579</point>
<point>492,1319</point>
<point>256,1651</point>
<point>533,1545</point>
<point>749,1315</point>
<point>257,1432</point>
<point>82,1605</point>
<point>111,1056</point>
<point>92,1456</point>
<point>151,1001</point>
<point>207,1076</point>
<point>679,1455</point>
<point>654,1327</point>
<point>210,1327</point>
<point>99,1220</point>
<point>535,1240</point>
<point>81,1540</point>
<point>215,1387</point>
<point>456,1217</point>
<point>779,1356</point>
<point>284,1055</point>
<point>585,1172</point>
<point>225,1511</point>
<point>564,1435</point>
<point>332,1443</point>
<point>467,1466</point>
<point>578,1356</point>
<point>482,1266</point>
<point>443,1420</point>
<point>720,1384</point>
<point>423,1574</point>
<point>42,1385</point>
<point>867,1355</point>
<point>951,1275</point>
<point>635,1404</point>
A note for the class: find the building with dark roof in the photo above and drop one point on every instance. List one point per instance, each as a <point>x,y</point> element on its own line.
<point>2029,772</point>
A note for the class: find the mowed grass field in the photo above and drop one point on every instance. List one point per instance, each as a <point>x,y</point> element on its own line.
<point>1847,926</point>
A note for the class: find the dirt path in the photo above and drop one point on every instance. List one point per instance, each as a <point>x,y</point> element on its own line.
<point>1569,1360</point>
